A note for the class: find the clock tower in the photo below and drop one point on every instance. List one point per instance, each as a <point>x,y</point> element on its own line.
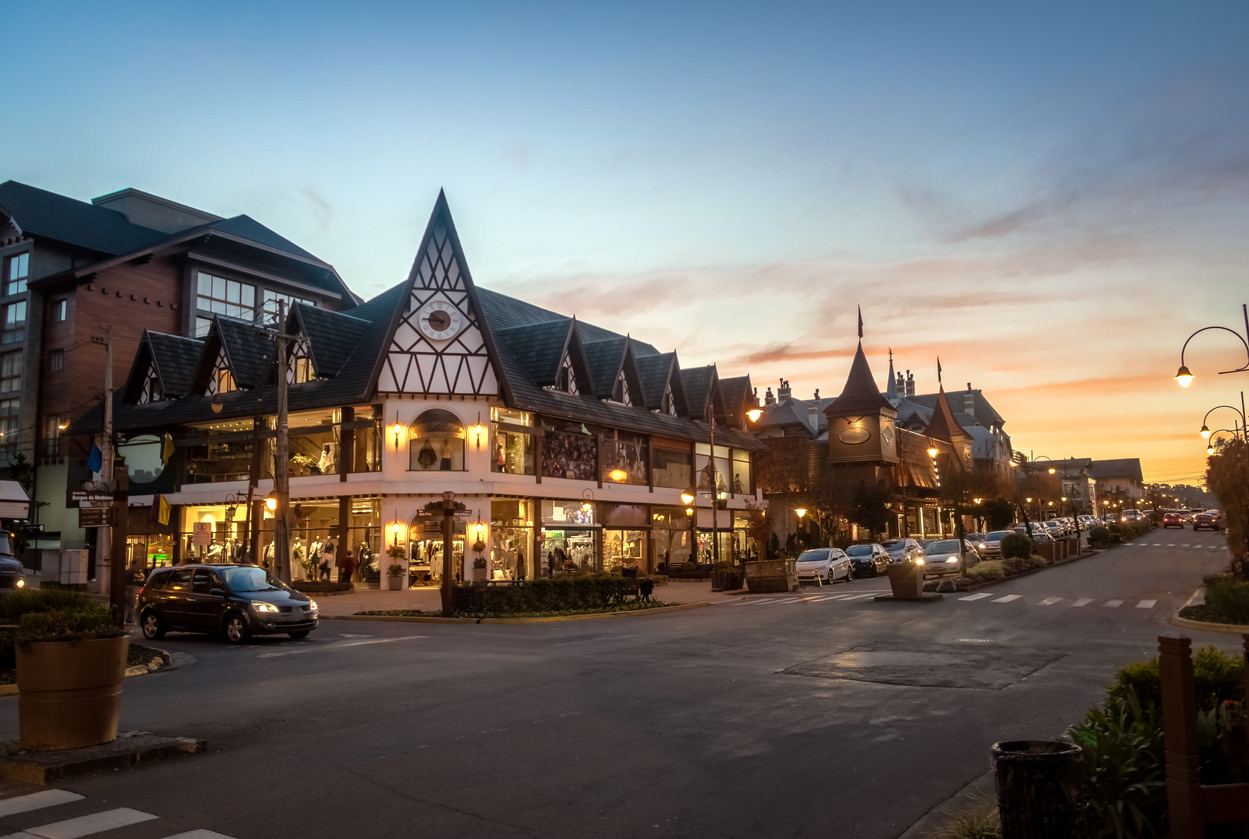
<point>862,424</point>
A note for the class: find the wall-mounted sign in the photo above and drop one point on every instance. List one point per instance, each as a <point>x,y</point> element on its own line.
<point>202,533</point>
<point>80,495</point>
<point>855,435</point>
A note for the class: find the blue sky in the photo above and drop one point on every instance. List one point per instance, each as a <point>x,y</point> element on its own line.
<point>1050,196</point>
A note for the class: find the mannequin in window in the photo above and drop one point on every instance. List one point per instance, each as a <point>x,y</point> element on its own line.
<point>329,459</point>
<point>427,457</point>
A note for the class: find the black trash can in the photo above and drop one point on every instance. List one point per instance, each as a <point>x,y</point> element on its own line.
<point>1040,792</point>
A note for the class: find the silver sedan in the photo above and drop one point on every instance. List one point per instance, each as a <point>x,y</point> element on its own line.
<point>823,565</point>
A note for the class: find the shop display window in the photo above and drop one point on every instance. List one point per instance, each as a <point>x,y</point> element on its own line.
<point>569,455</point>
<point>742,465</point>
<point>624,458</point>
<point>567,551</point>
<point>624,551</point>
<point>568,512</point>
<point>314,443</point>
<point>511,535</point>
<point>425,549</point>
<point>722,467</point>
<point>366,437</point>
<point>436,442</point>
<point>213,462</point>
<point>672,467</point>
<point>673,542</point>
<point>513,452</point>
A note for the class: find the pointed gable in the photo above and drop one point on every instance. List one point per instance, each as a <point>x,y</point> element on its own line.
<point>660,375</point>
<point>439,342</point>
<point>331,337</point>
<point>238,350</point>
<point>163,367</point>
<point>943,426</point>
<point>860,394</point>
<point>700,388</point>
<point>605,359</point>
<point>738,396</point>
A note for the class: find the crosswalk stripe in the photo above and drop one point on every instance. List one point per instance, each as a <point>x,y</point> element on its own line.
<point>830,597</point>
<point>1049,601</point>
<point>199,834</point>
<point>1157,544</point>
<point>1129,544</point>
<point>37,801</point>
<point>1112,604</point>
<point>1172,545</point>
<point>1008,598</point>
<point>85,825</point>
<point>1146,604</point>
<point>1083,601</point>
<point>976,596</point>
<point>861,596</point>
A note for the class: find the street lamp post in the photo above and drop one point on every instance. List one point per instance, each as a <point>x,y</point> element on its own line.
<point>1205,431</point>
<point>1185,377</point>
<point>691,494</point>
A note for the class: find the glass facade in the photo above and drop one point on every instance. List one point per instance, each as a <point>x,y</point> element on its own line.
<point>625,458</point>
<point>672,466</point>
<point>674,545</point>
<point>511,536</point>
<point>14,330</point>
<point>572,455</point>
<point>16,272</point>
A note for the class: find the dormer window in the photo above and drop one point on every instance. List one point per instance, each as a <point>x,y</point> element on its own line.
<point>151,388</point>
<point>620,393</point>
<point>222,380</point>
<point>299,368</point>
<point>668,405</point>
<point>565,379</point>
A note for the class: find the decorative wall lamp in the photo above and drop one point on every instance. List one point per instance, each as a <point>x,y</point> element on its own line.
<point>587,503</point>
<point>478,431</point>
<point>397,428</point>
<point>394,532</point>
<point>1185,376</point>
<point>271,501</point>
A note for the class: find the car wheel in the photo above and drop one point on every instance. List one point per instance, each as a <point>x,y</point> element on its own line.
<point>153,627</point>
<point>303,633</point>
<point>236,628</point>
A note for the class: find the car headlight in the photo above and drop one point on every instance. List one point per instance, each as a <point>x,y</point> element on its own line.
<point>312,605</point>
<point>919,561</point>
<point>21,584</point>
<point>950,559</point>
<point>261,606</point>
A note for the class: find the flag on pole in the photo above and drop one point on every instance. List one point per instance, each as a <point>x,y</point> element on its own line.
<point>166,449</point>
<point>938,370</point>
<point>860,323</point>
<point>165,510</point>
<point>95,460</point>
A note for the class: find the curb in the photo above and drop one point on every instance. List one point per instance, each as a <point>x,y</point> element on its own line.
<point>1204,626</point>
<point>680,607</point>
<point>941,813</point>
<point>163,663</point>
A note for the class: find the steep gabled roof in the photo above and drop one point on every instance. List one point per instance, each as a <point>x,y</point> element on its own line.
<point>538,347</point>
<point>46,215</point>
<point>605,359</point>
<point>736,392</point>
<point>655,371</point>
<point>246,227</point>
<point>1124,467</point>
<point>943,426</point>
<point>860,394</point>
<point>332,336</point>
<point>699,382</point>
<point>174,359</point>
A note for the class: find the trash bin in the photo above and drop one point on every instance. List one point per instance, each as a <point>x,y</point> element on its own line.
<point>1040,793</point>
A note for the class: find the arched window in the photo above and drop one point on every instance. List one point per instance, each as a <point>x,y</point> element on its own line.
<point>436,442</point>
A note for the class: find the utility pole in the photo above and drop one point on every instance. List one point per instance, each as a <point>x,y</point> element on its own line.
<point>281,462</point>
<point>115,476</point>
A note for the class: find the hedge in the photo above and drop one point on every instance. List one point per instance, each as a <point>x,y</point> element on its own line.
<point>558,594</point>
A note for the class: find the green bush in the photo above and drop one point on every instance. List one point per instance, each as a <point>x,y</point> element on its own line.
<point>989,569</point>
<point>1230,597</point>
<point>1217,676</point>
<point>560,594</point>
<point>1016,545</point>
<point>1099,534</point>
<point>85,623</point>
<point>1037,561</point>
<point>1124,768</point>
<point>14,607</point>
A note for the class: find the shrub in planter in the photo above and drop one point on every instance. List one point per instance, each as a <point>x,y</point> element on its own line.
<point>1016,545</point>
<point>70,666</point>
<point>14,606</point>
<point>1230,597</point>
<point>990,569</point>
<point>1099,534</point>
<point>1035,561</point>
<point>1217,677</point>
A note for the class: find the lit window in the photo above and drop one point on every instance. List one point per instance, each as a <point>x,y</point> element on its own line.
<point>56,361</point>
<point>15,274</point>
<point>436,442</point>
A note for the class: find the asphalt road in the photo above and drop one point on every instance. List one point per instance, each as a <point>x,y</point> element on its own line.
<point>761,717</point>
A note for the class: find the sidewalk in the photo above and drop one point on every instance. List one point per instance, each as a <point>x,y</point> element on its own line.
<point>427,599</point>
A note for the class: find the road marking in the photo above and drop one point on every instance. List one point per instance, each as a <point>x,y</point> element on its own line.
<point>1049,601</point>
<point>345,635</point>
<point>342,645</point>
<point>1146,604</point>
<point>861,596</point>
<point>830,597</point>
<point>1008,598</point>
<point>1183,546</point>
<point>37,801</point>
<point>1112,604</point>
<point>1129,544</point>
<point>778,600</point>
<point>1083,601</point>
<point>976,596</point>
<point>199,834</point>
<point>85,825</point>
<point>1172,545</point>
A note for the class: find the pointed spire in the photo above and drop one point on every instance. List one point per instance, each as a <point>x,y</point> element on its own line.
<point>943,426</point>
<point>860,395</point>
<point>860,323</point>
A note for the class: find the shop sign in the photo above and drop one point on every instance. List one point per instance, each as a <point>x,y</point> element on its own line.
<point>95,516</point>
<point>201,534</point>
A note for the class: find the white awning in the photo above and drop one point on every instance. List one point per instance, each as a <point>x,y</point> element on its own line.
<point>13,501</point>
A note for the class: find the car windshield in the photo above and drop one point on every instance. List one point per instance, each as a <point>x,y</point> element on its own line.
<point>813,556</point>
<point>251,579</point>
<point>946,546</point>
<point>997,535</point>
<point>859,550</point>
<point>895,545</point>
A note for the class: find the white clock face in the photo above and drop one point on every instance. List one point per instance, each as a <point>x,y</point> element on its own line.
<point>439,320</point>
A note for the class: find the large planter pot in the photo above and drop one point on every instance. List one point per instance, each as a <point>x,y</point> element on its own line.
<point>772,575</point>
<point>393,583</point>
<point>906,579</point>
<point>70,692</point>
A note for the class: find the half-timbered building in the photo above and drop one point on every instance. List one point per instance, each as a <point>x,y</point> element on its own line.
<point>569,444</point>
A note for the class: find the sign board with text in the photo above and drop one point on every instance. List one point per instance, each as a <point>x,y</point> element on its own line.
<point>202,534</point>
<point>95,496</point>
<point>95,516</point>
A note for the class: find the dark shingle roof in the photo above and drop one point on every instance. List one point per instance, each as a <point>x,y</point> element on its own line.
<point>604,358</point>
<point>943,426</point>
<point>537,347</point>
<point>860,395</point>
<point>246,227</point>
<point>734,391</point>
<point>176,358</point>
<point>697,382</point>
<point>43,214</point>
<point>512,312</point>
<point>332,336</point>
<point>1124,467</point>
<point>250,351</point>
<point>654,371</point>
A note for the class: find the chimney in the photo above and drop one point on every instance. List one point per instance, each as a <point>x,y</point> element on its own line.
<point>768,398</point>
<point>817,394</point>
<point>969,401</point>
<point>899,388</point>
<point>813,417</point>
<point>782,392</point>
<point>910,385</point>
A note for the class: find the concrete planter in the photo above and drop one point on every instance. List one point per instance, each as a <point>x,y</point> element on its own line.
<point>70,692</point>
<point>394,583</point>
<point>772,575</point>
<point>906,579</point>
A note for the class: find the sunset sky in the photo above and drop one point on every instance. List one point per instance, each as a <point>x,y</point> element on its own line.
<point>1049,196</point>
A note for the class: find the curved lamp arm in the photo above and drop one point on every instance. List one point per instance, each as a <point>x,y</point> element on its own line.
<point>1206,432</point>
<point>1184,376</point>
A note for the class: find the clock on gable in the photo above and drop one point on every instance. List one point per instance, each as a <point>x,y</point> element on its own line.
<point>439,320</point>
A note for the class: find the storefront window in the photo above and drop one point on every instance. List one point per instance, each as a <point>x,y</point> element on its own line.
<point>624,458</point>
<point>568,512</point>
<point>570,455</point>
<point>567,551</point>
<point>722,466</point>
<point>366,437</point>
<point>314,443</point>
<point>511,535</point>
<point>741,472</point>
<point>513,452</point>
<point>425,549</point>
<point>672,537</point>
<point>436,443</point>
<point>672,465</point>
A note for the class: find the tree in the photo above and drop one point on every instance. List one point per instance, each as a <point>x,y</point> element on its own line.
<point>1227,476</point>
<point>869,506</point>
<point>758,528</point>
<point>999,513</point>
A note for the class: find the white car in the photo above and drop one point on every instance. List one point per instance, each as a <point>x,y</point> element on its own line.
<point>823,565</point>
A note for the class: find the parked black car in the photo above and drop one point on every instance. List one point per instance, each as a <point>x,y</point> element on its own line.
<point>869,558</point>
<point>237,601</point>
